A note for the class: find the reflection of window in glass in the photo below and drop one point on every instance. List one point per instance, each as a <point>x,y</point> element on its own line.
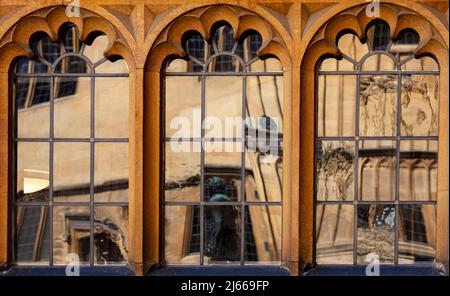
<point>71,151</point>
<point>49,51</point>
<point>222,198</point>
<point>417,235</point>
<point>32,234</point>
<point>376,151</point>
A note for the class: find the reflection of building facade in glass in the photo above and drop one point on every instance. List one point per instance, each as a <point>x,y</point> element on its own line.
<point>389,151</point>
<point>227,222</point>
<point>291,135</point>
<point>71,194</point>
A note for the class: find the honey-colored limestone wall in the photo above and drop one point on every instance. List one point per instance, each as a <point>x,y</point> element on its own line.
<point>145,33</point>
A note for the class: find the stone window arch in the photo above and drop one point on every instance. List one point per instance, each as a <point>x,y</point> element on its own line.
<point>67,78</point>
<point>377,89</point>
<point>201,50</point>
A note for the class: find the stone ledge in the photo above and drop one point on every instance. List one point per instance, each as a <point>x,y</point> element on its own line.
<point>61,271</point>
<point>221,271</point>
<point>385,270</point>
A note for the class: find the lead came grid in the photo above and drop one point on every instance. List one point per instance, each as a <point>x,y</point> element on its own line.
<point>399,74</point>
<point>52,139</point>
<point>202,74</point>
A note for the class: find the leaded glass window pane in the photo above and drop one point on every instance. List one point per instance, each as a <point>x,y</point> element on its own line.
<point>71,152</point>
<point>223,152</point>
<point>376,151</point>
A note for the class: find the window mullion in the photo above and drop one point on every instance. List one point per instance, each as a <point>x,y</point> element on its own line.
<point>51,150</point>
<point>356,171</point>
<point>244,112</point>
<point>91,168</point>
<point>202,170</point>
<point>397,169</point>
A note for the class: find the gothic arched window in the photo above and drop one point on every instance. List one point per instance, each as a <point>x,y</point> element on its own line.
<point>71,127</point>
<point>223,152</point>
<point>376,151</point>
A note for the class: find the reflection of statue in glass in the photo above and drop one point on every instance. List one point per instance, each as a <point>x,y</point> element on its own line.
<point>221,236</point>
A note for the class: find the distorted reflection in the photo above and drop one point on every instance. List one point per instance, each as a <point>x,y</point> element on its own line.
<point>110,234</point>
<point>335,176</point>
<point>378,106</point>
<point>32,172</point>
<point>223,103</point>
<point>198,49</point>
<point>395,101</point>
<point>182,234</point>
<point>223,39</point>
<point>70,159</point>
<point>420,101</point>
<point>378,62</point>
<point>265,98</point>
<point>263,177</point>
<point>264,169</point>
<point>33,116</point>
<point>222,42</point>
<point>71,172</point>
<point>266,65</point>
<point>332,64</point>
<point>334,234</point>
<point>378,37</point>
<point>177,65</point>
<point>70,39</point>
<point>112,107</point>
<point>405,44</point>
<point>377,170</point>
<point>417,233</point>
<point>223,166</point>
<point>225,63</point>
<point>421,64</point>
<point>350,45</point>
<point>336,105</point>
<point>376,232</point>
<point>222,232</point>
<point>237,111</point>
<point>116,66</point>
<point>22,65</point>
<point>418,170</point>
<point>33,234</point>
<point>111,172</point>
<point>248,48</point>
<point>72,64</point>
<point>183,120</point>
<point>71,233</point>
<point>46,49</point>
<point>182,173</point>
<point>218,190</point>
<point>95,50</point>
<point>262,230</point>
<point>72,115</point>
